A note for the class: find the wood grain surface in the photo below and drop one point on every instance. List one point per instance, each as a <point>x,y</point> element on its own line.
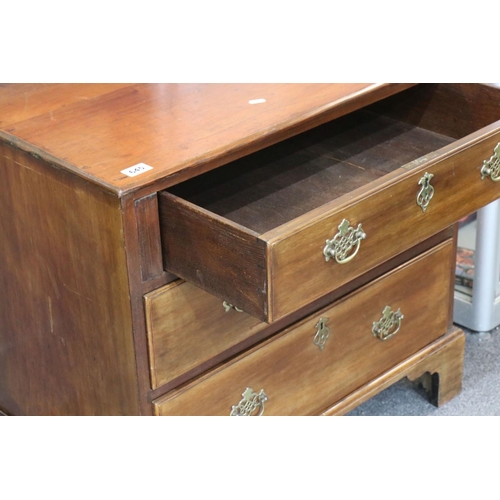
<point>180,130</point>
<point>272,187</point>
<point>21,102</point>
<point>452,109</point>
<point>148,236</point>
<point>215,254</point>
<point>81,243</point>
<point>188,327</point>
<point>442,359</point>
<point>296,271</point>
<point>66,345</point>
<point>163,325</point>
<point>287,367</point>
<point>390,217</point>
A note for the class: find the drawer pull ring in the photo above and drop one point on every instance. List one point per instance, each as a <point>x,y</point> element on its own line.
<point>322,333</point>
<point>491,167</point>
<point>426,191</point>
<point>345,244</point>
<point>228,307</point>
<point>388,325</point>
<point>250,403</point>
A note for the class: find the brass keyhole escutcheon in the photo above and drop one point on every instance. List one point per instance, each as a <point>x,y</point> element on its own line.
<point>344,246</point>
<point>426,192</point>
<point>251,404</point>
<point>491,167</point>
<point>322,333</point>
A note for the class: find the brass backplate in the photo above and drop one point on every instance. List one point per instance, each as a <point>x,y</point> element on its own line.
<point>344,246</point>
<point>388,325</point>
<point>251,404</point>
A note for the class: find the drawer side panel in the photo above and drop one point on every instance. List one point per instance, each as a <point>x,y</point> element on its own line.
<point>219,257</point>
<point>452,109</point>
<point>66,344</point>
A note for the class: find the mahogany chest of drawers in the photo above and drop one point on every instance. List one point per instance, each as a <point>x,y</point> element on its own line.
<point>276,249</point>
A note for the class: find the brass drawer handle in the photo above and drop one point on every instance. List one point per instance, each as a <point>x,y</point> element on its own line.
<point>227,306</point>
<point>250,403</point>
<point>491,167</point>
<point>388,325</point>
<point>322,333</point>
<point>426,192</point>
<point>345,244</point>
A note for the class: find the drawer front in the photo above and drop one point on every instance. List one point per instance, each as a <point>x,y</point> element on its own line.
<point>188,327</point>
<point>274,274</point>
<point>300,378</point>
<point>391,220</point>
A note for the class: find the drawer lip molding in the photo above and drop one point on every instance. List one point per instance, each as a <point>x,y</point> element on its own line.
<point>273,273</point>
<point>286,366</point>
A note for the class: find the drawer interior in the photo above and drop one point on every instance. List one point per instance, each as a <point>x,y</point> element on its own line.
<point>278,184</point>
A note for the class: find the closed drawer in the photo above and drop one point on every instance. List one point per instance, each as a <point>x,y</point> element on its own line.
<point>188,328</point>
<point>254,232</point>
<point>299,378</point>
<point>189,331</point>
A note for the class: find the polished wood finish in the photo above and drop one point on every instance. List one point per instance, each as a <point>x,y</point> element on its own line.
<point>66,346</point>
<point>187,327</point>
<point>441,372</point>
<point>21,102</point>
<point>181,130</point>
<point>390,217</point>
<point>148,236</point>
<point>160,341</point>
<point>284,203</point>
<point>215,254</point>
<point>137,288</point>
<point>279,184</point>
<point>288,366</point>
<point>442,360</point>
<point>92,323</point>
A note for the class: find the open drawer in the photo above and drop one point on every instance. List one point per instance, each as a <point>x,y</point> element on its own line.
<point>280,228</point>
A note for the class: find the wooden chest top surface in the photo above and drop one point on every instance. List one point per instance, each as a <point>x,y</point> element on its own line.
<point>181,130</point>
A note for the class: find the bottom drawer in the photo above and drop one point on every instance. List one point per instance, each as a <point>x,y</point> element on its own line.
<point>295,373</point>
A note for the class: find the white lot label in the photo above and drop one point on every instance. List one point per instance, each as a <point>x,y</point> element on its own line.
<point>138,169</point>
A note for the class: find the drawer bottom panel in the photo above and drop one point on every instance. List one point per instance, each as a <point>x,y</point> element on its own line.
<point>300,378</point>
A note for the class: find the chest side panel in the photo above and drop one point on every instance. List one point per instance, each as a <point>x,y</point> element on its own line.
<point>65,325</point>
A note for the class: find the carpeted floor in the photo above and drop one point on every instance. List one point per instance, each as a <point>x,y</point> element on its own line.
<point>480,390</point>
